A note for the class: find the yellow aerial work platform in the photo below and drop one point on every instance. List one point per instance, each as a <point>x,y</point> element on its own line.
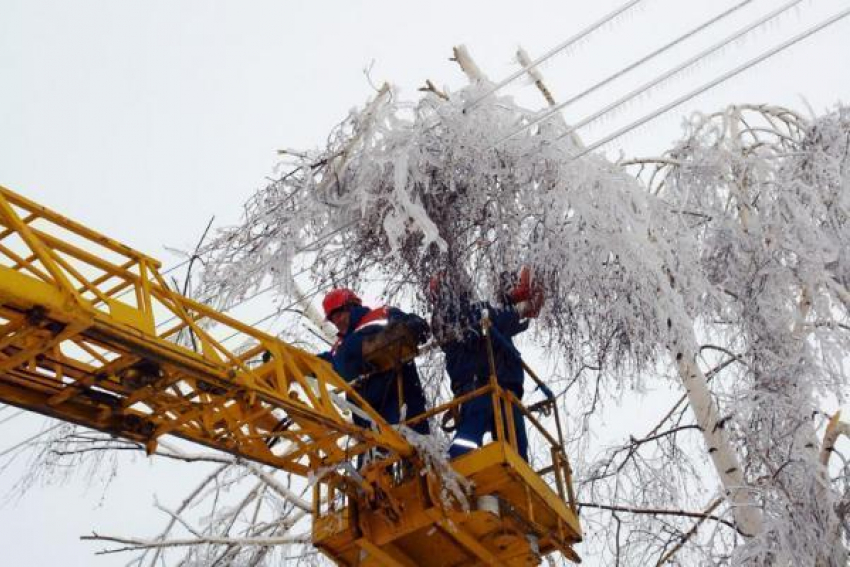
<point>511,517</point>
<point>90,333</point>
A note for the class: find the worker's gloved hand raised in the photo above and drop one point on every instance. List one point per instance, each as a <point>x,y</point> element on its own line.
<point>527,294</point>
<point>419,327</point>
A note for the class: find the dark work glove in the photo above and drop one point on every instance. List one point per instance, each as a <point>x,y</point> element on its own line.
<point>419,326</point>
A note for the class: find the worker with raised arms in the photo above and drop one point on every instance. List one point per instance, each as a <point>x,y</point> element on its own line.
<point>457,326</point>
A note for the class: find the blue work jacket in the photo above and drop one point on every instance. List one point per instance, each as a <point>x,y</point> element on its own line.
<point>379,390</point>
<point>467,363</point>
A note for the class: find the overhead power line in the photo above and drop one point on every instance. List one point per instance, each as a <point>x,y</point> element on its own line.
<point>713,83</point>
<point>679,68</point>
<point>558,107</point>
<point>554,51</point>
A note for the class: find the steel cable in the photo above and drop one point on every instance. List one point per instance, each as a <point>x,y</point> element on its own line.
<point>552,52</point>
<point>558,107</point>
<point>716,81</point>
<point>681,67</point>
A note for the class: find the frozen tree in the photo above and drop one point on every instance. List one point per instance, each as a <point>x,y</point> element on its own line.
<point>764,194</point>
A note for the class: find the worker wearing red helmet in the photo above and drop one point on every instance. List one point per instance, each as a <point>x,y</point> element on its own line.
<point>457,326</point>
<point>380,387</point>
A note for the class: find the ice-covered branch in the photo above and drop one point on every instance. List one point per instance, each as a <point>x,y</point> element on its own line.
<point>135,544</point>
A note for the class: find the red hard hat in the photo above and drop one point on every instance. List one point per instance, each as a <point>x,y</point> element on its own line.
<point>337,299</point>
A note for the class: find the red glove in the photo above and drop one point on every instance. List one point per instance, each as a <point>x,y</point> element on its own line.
<point>527,295</point>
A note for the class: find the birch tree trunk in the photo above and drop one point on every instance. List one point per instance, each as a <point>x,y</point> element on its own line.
<point>748,518</point>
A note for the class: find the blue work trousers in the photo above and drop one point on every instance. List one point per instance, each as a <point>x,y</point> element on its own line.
<point>476,419</point>
<point>381,392</point>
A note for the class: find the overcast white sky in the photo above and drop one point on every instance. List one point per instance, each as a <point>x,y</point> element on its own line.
<point>144,119</point>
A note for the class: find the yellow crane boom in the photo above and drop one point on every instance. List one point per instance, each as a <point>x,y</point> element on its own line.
<point>90,333</point>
